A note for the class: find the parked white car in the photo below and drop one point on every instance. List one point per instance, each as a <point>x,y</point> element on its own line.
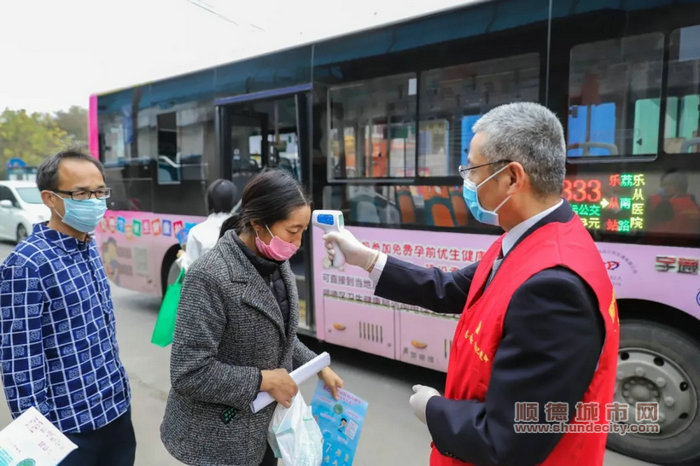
<point>20,208</point>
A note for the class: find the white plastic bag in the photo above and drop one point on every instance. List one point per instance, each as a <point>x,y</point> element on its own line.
<point>294,434</point>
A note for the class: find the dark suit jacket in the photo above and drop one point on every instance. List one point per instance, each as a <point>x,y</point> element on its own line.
<point>552,338</point>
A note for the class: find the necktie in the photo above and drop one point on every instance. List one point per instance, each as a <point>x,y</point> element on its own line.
<point>496,265</point>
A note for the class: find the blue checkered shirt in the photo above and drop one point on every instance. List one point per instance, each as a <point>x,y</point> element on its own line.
<point>59,349</point>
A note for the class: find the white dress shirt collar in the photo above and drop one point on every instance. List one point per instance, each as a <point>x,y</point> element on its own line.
<point>518,230</point>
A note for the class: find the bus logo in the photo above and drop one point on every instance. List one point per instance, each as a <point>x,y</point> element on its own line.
<point>665,263</point>
<point>612,265</point>
<point>687,265</point>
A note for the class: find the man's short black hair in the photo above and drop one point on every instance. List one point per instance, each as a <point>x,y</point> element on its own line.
<point>47,173</point>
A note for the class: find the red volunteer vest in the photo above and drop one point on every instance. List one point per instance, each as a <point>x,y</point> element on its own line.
<point>480,328</point>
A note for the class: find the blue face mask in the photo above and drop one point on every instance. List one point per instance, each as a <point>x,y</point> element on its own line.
<point>84,215</point>
<point>489,217</point>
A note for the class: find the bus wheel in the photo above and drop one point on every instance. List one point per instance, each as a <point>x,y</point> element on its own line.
<point>658,364</point>
<point>169,269</point>
<point>173,273</point>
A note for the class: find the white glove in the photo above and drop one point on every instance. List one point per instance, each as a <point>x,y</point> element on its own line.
<point>355,252</point>
<point>419,400</point>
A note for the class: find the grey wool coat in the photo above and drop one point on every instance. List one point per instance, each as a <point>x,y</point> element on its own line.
<point>229,327</point>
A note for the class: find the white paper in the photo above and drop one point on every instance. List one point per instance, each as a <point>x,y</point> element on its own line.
<point>32,439</point>
<point>300,375</point>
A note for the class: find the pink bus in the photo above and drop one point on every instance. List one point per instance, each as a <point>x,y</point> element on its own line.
<point>375,124</point>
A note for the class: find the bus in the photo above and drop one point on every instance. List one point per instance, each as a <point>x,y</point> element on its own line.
<point>375,124</point>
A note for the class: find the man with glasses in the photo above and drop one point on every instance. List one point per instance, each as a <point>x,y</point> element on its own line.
<point>538,335</point>
<point>59,349</point>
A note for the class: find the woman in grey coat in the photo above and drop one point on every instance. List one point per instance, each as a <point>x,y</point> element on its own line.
<point>236,331</point>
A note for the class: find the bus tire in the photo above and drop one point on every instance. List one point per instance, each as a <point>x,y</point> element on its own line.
<point>658,363</point>
<point>169,268</point>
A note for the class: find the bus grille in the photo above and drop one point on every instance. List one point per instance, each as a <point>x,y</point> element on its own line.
<point>371,332</point>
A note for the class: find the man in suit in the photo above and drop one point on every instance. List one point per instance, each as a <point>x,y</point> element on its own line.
<point>538,323</point>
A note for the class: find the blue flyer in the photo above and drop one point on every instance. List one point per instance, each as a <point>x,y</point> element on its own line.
<point>184,233</point>
<point>340,422</point>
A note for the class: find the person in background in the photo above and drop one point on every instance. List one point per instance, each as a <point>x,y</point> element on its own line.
<point>538,320</point>
<point>221,197</point>
<point>674,210</point>
<point>59,346</point>
<point>236,331</point>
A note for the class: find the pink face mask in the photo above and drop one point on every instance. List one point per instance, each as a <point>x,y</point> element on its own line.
<point>278,249</point>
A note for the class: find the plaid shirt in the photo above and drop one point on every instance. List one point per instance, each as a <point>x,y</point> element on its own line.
<point>59,349</point>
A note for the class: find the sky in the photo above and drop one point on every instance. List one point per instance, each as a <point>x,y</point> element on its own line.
<point>55,53</point>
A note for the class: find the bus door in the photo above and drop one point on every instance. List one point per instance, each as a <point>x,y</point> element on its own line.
<point>271,129</point>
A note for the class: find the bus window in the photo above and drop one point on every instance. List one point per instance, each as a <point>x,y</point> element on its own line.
<point>168,164</point>
<point>262,134</point>
<point>115,147</point>
<point>196,141</point>
<point>452,99</point>
<point>414,205</point>
<point>682,130</point>
<point>614,90</point>
<point>372,128</point>
<point>157,157</point>
<point>673,207</point>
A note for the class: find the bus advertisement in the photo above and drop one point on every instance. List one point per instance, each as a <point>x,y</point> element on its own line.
<point>375,124</point>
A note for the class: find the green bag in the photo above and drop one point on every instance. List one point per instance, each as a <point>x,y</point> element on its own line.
<point>165,324</point>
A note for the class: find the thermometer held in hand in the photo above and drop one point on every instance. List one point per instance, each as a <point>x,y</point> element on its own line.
<point>328,221</point>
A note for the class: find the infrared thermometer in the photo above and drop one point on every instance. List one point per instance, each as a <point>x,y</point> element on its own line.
<point>328,221</point>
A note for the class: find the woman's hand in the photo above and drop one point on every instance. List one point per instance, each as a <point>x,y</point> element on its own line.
<point>280,385</point>
<point>331,380</point>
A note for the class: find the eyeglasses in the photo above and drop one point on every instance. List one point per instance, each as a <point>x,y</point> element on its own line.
<point>81,195</point>
<point>464,169</point>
